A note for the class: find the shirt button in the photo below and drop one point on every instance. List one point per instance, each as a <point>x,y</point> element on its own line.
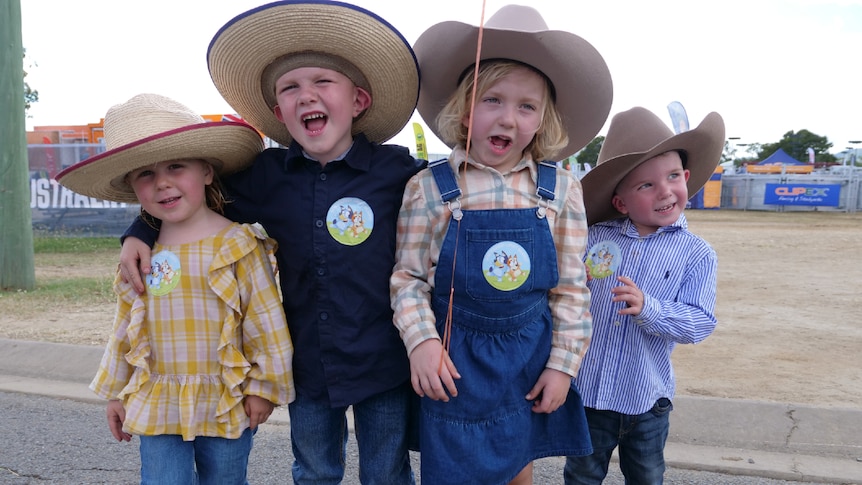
<point>321,271</point>
<point>318,223</point>
<point>323,176</point>
<point>617,323</point>
<point>498,183</point>
<point>324,316</point>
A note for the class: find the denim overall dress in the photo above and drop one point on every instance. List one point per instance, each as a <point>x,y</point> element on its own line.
<point>500,342</point>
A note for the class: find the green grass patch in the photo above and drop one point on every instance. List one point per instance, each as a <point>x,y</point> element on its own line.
<point>73,272</point>
<point>80,290</point>
<point>75,244</point>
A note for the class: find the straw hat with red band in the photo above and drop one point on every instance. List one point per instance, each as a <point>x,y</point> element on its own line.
<point>150,128</point>
<point>638,135</point>
<point>579,74</point>
<point>249,53</point>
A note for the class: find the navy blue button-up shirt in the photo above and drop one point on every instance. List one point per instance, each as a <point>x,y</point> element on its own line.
<point>333,268</point>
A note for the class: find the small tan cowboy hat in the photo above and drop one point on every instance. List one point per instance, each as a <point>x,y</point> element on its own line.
<point>634,137</point>
<point>249,53</point>
<point>150,128</point>
<point>578,72</point>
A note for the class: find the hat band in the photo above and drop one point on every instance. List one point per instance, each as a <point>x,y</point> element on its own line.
<point>289,62</point>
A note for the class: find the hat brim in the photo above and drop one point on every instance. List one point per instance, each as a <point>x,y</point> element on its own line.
<point>245,46</point>
<point>581,78</point>
<point>229,146</point>
<point>703,146</point>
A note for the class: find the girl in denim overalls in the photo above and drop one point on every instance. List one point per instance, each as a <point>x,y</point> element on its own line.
<point>489,286</point>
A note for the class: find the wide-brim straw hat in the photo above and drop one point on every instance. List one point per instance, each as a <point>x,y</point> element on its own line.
<point>150,128</point>
<point>579,74</point>
<point>340,34</point>
<point>638,135</point>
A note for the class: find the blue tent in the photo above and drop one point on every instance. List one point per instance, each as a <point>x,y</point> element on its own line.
<point>780,157</point>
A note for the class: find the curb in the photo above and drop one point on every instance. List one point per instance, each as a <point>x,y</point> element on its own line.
<point>737,437</point>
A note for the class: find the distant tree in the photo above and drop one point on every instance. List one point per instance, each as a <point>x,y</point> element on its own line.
<point>590,153</point>
<point>728,153</point>
<point>30,95</point>
<point>796,145</point>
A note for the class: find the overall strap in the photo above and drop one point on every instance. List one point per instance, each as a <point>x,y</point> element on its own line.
<point>450,193</point>
<point>445,179</point>
<point>546,186</point>
<point>547,183</point>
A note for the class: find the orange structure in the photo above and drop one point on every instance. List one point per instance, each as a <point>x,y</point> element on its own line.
<point>783,168</point>
<point>89,133</point>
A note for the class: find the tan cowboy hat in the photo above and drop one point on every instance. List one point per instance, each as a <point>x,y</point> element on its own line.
<point>289,34</point>
<point>581,78</point>
<point>634,137</point>
<point>150,128</point>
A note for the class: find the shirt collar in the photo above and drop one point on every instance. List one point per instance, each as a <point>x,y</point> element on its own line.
<point>458,158</point>
<point>358,156</point>
<point>627,227</point>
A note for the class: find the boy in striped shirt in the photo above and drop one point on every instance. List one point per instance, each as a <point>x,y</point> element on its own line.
<point>652,284</point>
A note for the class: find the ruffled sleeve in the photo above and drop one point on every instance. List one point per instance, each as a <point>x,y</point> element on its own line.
<point>255,350</point>
<point>126,348</point>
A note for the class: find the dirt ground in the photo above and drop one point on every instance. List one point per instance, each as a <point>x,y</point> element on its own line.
<point>788,287</point>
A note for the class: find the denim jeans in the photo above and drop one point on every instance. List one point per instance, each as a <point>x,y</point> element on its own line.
<point>641,439</point>
<point>319,434</point>
<point>168,460</point>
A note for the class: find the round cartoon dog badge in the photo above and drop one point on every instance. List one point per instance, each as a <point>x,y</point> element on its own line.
<point>165,274</point>
<point>603,259</point>
<point>350,221</point>
<point>506,265</point>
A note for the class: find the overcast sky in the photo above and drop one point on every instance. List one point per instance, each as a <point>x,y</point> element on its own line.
<point>768,66</point>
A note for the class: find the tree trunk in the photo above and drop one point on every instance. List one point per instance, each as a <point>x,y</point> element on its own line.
<point>17,269</point>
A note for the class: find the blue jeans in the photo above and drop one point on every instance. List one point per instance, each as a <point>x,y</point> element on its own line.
<point>168,460</point>
<point>318,435</point>
<point>641,439</point>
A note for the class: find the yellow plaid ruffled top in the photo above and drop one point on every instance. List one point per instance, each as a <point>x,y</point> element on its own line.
<point>209,330</point>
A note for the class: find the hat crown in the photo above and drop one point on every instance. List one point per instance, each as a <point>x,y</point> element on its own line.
<point>517,17</point>
<point>143,116</point>
<point>636,130</point>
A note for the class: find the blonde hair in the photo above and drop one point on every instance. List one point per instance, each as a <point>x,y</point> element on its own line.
<point>551,136</point>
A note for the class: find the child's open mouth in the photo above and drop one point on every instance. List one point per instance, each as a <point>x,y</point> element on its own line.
<point>314,122</point>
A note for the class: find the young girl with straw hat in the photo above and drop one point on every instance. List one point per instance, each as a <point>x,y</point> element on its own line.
<point>198,362</point>
<point>489,287</point>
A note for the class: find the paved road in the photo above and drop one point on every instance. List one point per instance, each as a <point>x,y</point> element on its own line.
<point>46,440</point>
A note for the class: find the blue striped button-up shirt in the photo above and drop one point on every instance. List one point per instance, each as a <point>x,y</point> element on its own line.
<point>627,367</point>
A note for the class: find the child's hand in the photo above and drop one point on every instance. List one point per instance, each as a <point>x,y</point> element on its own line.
<point>630,294</point>
<point>257,409</point>
<point>116,416</point>
<point>424,367</point>
<point>550,391</point>
<point>134,251</point>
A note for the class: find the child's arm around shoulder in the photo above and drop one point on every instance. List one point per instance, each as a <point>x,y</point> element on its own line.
<point>401,157</point>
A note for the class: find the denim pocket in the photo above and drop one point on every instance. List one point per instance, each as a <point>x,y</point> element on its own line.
<point>480,271</point>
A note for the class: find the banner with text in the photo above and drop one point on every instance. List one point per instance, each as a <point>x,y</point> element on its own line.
<point>802,194</point>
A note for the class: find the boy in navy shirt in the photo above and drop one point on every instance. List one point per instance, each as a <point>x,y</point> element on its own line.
<point>330,200</point>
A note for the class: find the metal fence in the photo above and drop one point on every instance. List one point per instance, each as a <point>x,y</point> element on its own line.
<point>751,191</point>
<point>56,210</point>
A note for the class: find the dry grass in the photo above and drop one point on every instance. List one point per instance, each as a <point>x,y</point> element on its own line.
<point>788,294</point>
